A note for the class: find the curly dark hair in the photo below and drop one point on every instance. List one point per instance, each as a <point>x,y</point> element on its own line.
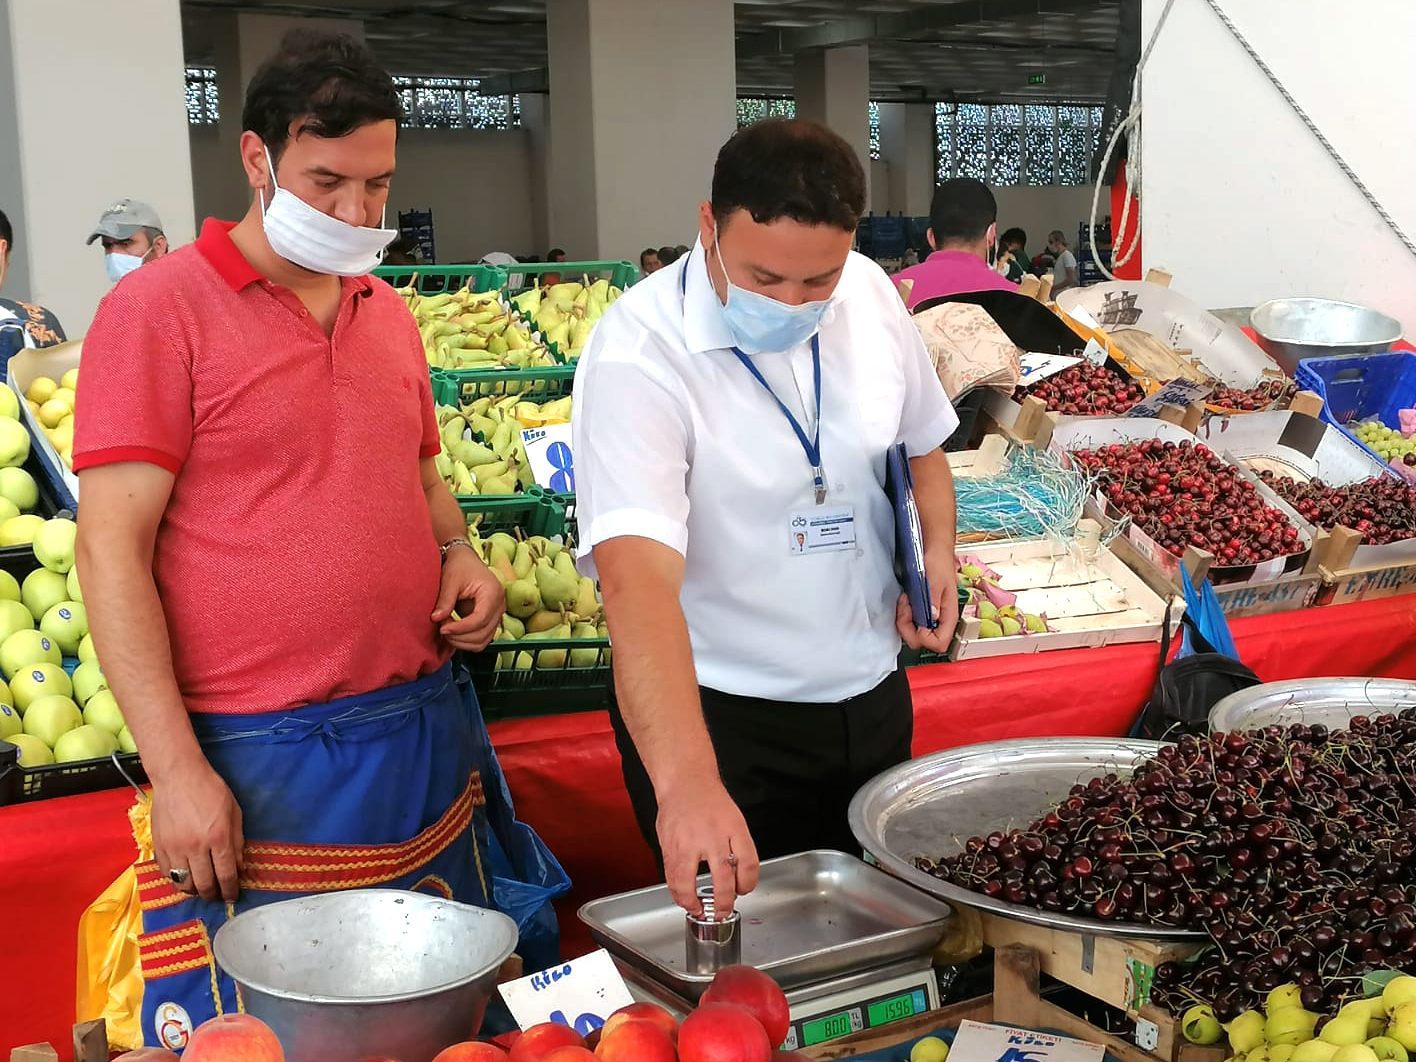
<point>789,168</point>
<point>330,82</point>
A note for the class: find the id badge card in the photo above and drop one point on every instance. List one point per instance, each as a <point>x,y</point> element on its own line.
<point>823,529</point>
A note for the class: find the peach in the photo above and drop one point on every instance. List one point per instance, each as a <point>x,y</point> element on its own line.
<point>472,1051</point>
<point>569,1054</point>
<point>537,1042</point>
<point>723,1032</point>
<point>650,1012</point>
<point>635,1041</point>
<point>233,1038</point>
<point>756,993</point>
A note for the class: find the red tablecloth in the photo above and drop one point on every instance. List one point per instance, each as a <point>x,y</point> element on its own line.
<point>56,856</point>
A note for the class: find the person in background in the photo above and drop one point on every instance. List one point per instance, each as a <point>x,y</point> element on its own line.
<point>963,230</point>
<point>555,254</point>
<point>649,261</point>
<point>668,255</point>
<point>1064,262</point>
<point>22,324</point>
<point>681,250</point>
<point>1012,259</point>
<point>132,236</point>
<point>402,251</point>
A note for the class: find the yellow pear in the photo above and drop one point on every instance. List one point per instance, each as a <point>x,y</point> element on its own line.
<point>522,561</point>
<point>1289,1025</point>
<point>558,591</point>
<point>1313,1051</point>
<point>1246,1032</point>
<point>523,599</point>
<point>1399,990</point>
<point>587,603</point>
<point>1346,1028</point>
<point>1289,995</point>
<point>545,620</point>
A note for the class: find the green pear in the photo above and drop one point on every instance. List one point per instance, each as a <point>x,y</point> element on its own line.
<point>1010,611</point>
<point>523,599</point>
<point>513,628</point>
<point>1385,1048</point>
<point>552,548</point>
<point>1010,626</point>
<point>503,484</point>
<point>584,657</point>
<point>472,454</point>
<point>554,658</point>
<point>558,590</point>
<point>1246,1032</point>
<point>501,438</point>
<point>989,629</point>
<point>523,561</point>
<point>971,572</point>
<point>542,621</point>
<point>1036,624</point>
<point>504,542</point>
<point>562,563</point>
<point>603,629</point>
<point>987,610</point>
<point>1349,1028</point>
<point>586,601</point>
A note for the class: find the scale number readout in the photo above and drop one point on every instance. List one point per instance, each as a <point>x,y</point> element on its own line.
<point>869,1015</point>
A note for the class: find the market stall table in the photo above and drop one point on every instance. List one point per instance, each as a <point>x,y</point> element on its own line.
<point>57,856</point>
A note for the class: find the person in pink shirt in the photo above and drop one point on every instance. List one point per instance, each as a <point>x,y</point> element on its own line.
<point>963,232</point>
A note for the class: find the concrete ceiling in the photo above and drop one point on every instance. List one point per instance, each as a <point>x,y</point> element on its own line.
<point>919,49</point>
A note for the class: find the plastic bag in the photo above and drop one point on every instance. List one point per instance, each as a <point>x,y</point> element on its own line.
<point>109,984</point>
<point>1203,612</point>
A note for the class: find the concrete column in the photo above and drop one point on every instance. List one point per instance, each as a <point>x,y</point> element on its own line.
<point>907,144</point>
<point>536,121</point>
<point>833,87</point>
<point>82,124</point>
<point>629,161</point>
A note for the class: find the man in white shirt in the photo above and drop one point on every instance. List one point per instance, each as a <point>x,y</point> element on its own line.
<point>1064,266</point>
<point>733,413</point>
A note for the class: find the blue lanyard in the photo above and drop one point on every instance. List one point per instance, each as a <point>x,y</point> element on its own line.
<point>812,446</point>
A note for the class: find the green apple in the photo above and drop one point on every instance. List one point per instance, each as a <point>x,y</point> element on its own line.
<point>126,742</point>
<point>50,718</point>
<point>19,487</point>
<point>85,743</point>
<point>24,648</point>
<point>10,721</point>
<point>6,697</point>
<point>88,679</point>
<point>102,711</point>
<point>33,752</point>
<point>42,590</point>
<point>7,508</point>
<point>14,443</point>
<point>39,680</point>
<point>14,617</point>
<point>86,652</point>
<point>19,530</point>
<point>76,592</point>
<point>54,544</point>
<point>9,404</point>
<point>66,623</point>
<point>9,586</point>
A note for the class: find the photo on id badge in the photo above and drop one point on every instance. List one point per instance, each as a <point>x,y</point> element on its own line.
<point>821,530</point>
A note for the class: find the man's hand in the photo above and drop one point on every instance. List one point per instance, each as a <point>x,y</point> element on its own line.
<point>702,825</point>
<point>196,826</point>
<point>469,586</point>
<point>943,588</point>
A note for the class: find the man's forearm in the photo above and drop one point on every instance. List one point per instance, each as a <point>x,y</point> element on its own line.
<point>934,496</point>
<point>130,634</point>
<point>448,521</point>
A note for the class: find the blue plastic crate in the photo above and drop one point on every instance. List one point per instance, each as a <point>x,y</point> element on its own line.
<point>1361,387</point>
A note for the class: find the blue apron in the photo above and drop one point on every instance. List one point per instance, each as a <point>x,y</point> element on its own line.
<point>379,790</point>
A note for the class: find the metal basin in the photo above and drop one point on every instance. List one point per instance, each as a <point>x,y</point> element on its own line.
<point>372,973</point>
<point>1330,701</point>
<point>1293,329</point>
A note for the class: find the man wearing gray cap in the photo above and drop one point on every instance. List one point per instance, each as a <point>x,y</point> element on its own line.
<point>132,235</point>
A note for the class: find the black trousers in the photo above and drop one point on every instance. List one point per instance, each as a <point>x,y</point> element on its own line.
<point>792,769</point>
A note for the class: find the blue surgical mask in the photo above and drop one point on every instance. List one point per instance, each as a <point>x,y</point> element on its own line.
<point>119,265</point>
<point>762,325</point>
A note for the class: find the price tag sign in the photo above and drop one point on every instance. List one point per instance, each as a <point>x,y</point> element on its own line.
<point>1176,393</point>
<point>1095,352</point>
<point>581,993</point>
<point>977,1042</point>
<point>1037,367</point>
<point>548,449</point>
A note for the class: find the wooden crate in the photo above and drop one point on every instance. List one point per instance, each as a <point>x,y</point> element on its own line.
<point>90,1045</point>
<point>902,1032</point>
<point>1344,582</point>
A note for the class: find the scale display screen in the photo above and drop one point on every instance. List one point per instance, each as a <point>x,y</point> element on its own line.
<point>870,1014</point>
<point>832,1027</point>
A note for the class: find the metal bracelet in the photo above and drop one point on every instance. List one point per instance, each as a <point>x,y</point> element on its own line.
<point>453,543</point>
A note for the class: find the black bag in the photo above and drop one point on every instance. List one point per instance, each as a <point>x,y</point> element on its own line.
<point>1187,689</point>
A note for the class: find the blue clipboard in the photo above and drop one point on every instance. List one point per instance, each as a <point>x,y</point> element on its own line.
<point>909,537</point>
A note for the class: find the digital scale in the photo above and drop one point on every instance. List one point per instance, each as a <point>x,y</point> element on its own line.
<point>850,945</point>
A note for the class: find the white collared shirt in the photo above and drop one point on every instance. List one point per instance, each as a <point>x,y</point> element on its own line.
<point>676,442</point>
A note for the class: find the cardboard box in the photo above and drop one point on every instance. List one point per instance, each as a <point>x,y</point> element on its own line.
<point>24,368</point>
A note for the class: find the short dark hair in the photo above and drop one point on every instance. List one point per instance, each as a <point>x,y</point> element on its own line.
<point>329,80</point>
<point>1058,235</point>
<point>647,252</point>
<point>789,168</point>
<point>667,255</point>
<point>961,211</point>
<point>1014,235</point>
<point>7,233</point>
<point>555,254</point>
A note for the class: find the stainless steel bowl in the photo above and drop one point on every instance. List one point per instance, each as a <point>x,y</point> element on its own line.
<point>372,973</point>
<point>1330,701</point>
<point>1293,329</point>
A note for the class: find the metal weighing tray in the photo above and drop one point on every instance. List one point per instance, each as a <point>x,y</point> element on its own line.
<point>1330,701</point>
<point>813,917</point>
<point>931,806</point>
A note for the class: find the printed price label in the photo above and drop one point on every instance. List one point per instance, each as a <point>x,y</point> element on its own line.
<point>1095,352</point>
<point>552,462</point>
<point>1038,367</point>
<point>581,993</point>
<point>1176,393</point>
<point>977,1042</point>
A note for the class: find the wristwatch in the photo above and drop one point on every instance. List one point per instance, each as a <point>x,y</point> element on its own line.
<point>453,543</point>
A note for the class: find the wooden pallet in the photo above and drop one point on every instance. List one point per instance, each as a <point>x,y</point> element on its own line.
<point>90,1045</point>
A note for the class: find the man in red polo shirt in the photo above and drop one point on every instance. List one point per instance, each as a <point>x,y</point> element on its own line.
<point>270,559</point>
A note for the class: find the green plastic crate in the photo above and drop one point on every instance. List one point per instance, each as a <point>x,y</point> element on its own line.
<point>534,512</point>
<point>433,280</point>
<point>508,693</point>
<point>620,274</point>
<point>460,386</point>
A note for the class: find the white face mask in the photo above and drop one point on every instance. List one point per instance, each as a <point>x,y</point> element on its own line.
<point>119,265</point>
<point>315,241</point>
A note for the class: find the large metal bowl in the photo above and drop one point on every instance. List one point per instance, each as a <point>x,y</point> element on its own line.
<point>1330,701</point>
<point>371,973</point>
<point>1293,329</point>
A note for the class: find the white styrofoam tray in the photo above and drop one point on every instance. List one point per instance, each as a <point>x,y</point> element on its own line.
<point>1094,432</point>
<point>1224,351</point>
<point>23,369</point>
<point>1089,601</point>
<point>1292,443</point>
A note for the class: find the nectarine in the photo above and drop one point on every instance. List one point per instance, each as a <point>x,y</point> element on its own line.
<point>756,993</point>
<point>651,1012</point>
<point>635,1041</point>
<point>569,1054</point>
<point>723,1032</point>
<point>537,1042</point>
<point>472,1051</point>
<point>233,1038</point>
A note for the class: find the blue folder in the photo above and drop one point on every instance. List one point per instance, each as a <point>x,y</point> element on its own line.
<point>909,537</point>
